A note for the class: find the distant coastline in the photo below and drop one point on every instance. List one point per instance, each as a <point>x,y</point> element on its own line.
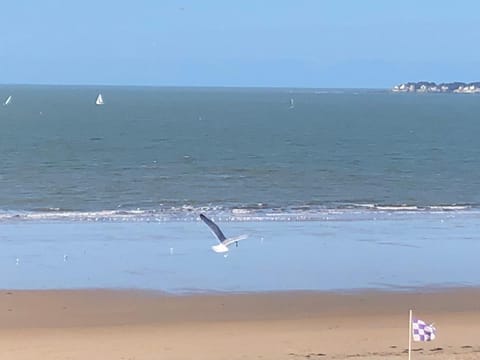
<point>431,87</point>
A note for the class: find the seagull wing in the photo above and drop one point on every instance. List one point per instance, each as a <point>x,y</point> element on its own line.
<point>231,240</point>
<point>214,227</point>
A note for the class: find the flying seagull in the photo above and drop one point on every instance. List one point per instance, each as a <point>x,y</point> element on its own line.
<point>224,242</point>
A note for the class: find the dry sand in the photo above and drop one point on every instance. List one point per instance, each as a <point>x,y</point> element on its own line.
<point>103,324</point>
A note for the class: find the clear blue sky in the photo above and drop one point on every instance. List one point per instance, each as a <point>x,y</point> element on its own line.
<point>291,43</point>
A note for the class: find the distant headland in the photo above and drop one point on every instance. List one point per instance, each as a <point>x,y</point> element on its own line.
<point>431,87</point>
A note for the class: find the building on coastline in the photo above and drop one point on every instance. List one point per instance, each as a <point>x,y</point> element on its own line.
<point>431,87</point>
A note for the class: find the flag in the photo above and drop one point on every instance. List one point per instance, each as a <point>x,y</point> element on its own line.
<point>421,331</point>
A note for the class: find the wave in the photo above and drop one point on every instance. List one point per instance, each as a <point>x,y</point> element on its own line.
<point>256,212</point>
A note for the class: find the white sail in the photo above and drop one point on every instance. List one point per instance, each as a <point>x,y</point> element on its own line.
<point>99,100</point>
<point>7,101</point>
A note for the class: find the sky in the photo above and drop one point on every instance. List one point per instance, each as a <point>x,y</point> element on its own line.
<point>265,43</point>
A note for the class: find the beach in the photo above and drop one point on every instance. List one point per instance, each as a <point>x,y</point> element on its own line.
<point>129,324</point>
<point>125,290</point>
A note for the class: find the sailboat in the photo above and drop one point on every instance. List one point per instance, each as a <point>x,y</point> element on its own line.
<point>99,100</point>
<point>7,101</point>
<point>292,104</point>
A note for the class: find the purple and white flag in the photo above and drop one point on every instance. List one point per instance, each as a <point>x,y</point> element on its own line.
<point>421,331</point>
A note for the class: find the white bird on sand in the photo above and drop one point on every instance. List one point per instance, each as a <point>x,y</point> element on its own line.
<point>224,242</point>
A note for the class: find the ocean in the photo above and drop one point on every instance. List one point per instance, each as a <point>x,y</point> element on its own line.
<point>343,179</point>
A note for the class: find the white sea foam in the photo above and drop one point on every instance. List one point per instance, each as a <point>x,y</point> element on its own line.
<point>397,208</point>
<point>450,207</point>
<point>259,212</point>
<point>241,211</point>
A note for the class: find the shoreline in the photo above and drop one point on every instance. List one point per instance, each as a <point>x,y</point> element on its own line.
<point>106,307</point>
<point>113,324</point>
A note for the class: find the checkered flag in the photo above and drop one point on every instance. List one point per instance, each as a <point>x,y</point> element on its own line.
<point>421,331</point>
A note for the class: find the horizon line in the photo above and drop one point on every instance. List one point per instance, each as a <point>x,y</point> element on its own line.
<point>196,86</point>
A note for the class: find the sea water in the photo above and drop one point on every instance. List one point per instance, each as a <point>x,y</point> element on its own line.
<point>346,189</point>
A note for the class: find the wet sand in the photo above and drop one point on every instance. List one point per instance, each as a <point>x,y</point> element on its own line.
<point>388,254</point>
<point>105,324</point>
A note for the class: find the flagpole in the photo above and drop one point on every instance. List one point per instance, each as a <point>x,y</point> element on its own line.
<point>410,336</point>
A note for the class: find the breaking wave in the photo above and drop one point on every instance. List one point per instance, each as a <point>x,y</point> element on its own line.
<point>257,212</point>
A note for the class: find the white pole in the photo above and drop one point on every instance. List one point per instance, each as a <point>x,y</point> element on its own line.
<point>410,336</point>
